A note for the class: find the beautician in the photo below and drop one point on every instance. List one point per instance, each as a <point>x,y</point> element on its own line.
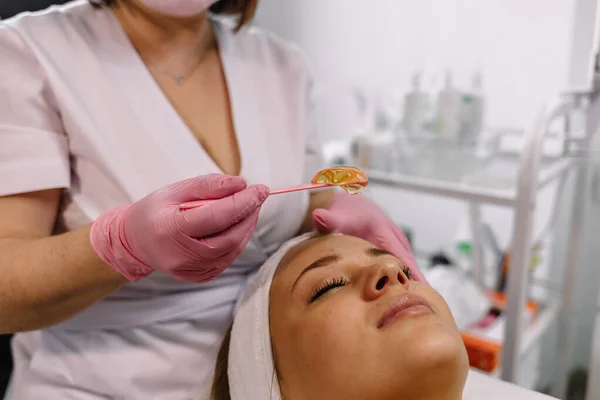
<point>111,115</point>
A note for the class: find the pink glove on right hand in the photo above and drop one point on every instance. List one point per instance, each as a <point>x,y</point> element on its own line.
<point>194,245</point>
<point>357,215</point>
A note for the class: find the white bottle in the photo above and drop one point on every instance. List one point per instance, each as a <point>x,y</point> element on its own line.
<point>473,111</point>
<point>432,85</point>
<point>448,122</point>
<point>416,104</point>
<point>463,243</point>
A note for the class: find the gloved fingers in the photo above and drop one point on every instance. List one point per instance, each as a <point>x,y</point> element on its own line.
<point>384,239</point>
<point>202,187</point>
<point>391,239</point>
<point>221,214</point>
<point>414,269</point>
<point>325,221</point>
<point>233,239</point>
<point>213,267</point>
<point>411,263</point>
<point>190,272</point>
<point>401,236</point>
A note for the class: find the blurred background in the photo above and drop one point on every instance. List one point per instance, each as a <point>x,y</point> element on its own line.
<point>514,55</point>
<point>441,93</point>
<point>521,48</point>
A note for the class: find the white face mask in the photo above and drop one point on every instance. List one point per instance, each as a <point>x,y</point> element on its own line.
<point>179,8</point>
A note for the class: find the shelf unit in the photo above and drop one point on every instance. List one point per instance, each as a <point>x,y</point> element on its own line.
<point>583,94</point>
<point>534,332</point>
<point>584,82</point>
<point>533,172</point>
<point>465,191</point>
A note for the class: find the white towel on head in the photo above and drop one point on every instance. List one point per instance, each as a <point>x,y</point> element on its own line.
<point>251,369</point>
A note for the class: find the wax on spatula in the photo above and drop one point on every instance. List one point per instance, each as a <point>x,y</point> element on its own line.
<point>351,179</point>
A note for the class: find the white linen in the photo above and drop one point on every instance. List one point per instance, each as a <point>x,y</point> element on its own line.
<point>251,370</point>
<point>480,386</point>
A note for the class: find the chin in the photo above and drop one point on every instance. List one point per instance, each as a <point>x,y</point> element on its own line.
<point>435,347</point>
<point>437,363</point>
<point>443,349</point>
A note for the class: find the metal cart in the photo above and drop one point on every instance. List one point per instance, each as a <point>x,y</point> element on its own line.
<point>533,173</point>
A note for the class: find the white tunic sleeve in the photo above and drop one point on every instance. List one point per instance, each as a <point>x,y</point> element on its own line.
<point>313,156</point>
<point>33,148</point>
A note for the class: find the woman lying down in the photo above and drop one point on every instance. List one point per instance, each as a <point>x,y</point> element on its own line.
<point>331,318</point>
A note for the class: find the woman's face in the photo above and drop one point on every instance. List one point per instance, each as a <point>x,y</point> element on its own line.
<point>348,323</point>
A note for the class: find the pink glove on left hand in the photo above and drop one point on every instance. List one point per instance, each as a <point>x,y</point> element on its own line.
<point>356,215</point>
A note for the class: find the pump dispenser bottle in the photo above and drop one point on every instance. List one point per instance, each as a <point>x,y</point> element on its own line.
<point>448,110</point>
<point>416,104</point>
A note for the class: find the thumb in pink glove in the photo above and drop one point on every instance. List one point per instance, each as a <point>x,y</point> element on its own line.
<point>194,245</point>
<point>356,215</point>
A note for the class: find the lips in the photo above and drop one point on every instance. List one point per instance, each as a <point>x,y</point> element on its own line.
<point>404,306</point>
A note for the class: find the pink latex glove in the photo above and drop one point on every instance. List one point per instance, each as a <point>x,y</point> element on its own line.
<point>356,215</point>
<point>194,245</point>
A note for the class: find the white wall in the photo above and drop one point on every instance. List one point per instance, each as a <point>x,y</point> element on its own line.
<point>521,45</point>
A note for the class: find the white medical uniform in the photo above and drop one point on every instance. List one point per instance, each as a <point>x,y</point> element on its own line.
<point>79,111</point>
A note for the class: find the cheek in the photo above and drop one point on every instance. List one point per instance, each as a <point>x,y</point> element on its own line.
<point>438,303</point>
<point>446,333</point>
<point>325,336</point>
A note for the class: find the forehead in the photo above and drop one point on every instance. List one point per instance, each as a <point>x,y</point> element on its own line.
<point>307,252</point>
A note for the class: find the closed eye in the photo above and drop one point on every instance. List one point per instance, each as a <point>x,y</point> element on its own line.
<point>327,286</point>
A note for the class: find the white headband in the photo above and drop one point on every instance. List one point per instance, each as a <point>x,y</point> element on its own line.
<point>251,370</point>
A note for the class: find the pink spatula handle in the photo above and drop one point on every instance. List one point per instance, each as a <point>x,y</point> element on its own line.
<point>307,186</point>
<point>199,203</point>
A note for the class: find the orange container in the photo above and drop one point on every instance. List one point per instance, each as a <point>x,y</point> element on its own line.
<point>485,352</point>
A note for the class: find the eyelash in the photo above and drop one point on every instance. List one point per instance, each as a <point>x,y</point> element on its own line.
<point>407,272</point>
<point>327,286</point>
<point>339,282</point>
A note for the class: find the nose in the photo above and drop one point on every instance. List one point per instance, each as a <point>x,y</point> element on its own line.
<point>383,276</point>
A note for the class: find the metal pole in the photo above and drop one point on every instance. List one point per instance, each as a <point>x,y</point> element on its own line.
<point>518,274</point>
<point>584,45</point>
<point>593,386</point>
<point>453,190</point>
<point>475,224</point>
<point>573,256</point>
<point>583,83</point>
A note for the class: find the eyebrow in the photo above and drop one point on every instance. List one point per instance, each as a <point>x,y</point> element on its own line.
<point>375,252</point>
<point>321,262</point>
<point>334,258</point>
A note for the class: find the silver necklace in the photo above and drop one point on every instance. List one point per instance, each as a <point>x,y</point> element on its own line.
<point>179,78</point>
